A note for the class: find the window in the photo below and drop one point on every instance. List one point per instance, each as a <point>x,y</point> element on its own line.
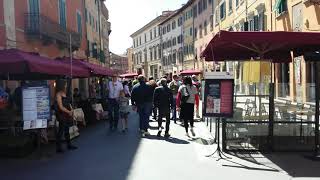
<point>180,21</point>
<point>168,28</point>
<point>164,30</point>
<point>223,11</point>
<point>205,28</point>
<point>62,14</point>
<point>211,23</point>
<point>195,33</point>
<point>204,4</point>
<point>145,55</point>
<point>256,23</point>
<point>93,23</point>
<point>155,52</point>
<point>151,56</point>
<point>195,11</point>
<point>90,21</point>
<point>34,7</point>
<point>237,3</point>
<point>190,31</point>
<point>281,6</point>
<point>200,31</point>
<point>174,58</point>
<point>159,30</point>
<point>145,37</point>
<point>151,34</point>
<point>140,56</point>
<point>173,25</point>
<point>140,40</point>
<point>159,52</point>
<point>174,41</point>
<point>230,6</point>
<point>97,26</point>
<point>79,23</point>
<point>200,7</point>
<point>216,17</point>
<point>155,32</point>
<point>210,1</point>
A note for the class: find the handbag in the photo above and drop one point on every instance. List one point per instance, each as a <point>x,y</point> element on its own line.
<point>184,98</point>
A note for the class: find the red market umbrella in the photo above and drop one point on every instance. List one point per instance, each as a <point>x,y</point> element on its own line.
<point>190,72</point>
<point>128,75</point>
<point>276,46</point>
<point>95,70</point>
<point>18,65</point>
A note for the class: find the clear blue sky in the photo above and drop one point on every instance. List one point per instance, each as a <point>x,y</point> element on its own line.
<point>127,16</point>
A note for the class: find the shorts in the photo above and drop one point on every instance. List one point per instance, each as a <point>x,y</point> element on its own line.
<point>124,114</point>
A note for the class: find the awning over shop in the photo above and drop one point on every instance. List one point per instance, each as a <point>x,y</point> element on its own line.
<point>128,75</point>
<point>275,46</point>
<point>95,70</point>
<point>190,72</point>
<point>18,65</point>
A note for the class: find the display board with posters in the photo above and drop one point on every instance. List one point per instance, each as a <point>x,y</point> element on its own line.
<point>35,107</point>
<point>218,94</point>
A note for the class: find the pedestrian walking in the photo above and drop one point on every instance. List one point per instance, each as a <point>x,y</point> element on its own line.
<point>163,100</point>
<point>152,83</point>
<point>185,102</point>
<point>197,84</point>
<point>114,88</point>
<point>174,86</point>
<point>64,116</point>
<point>124,110</point>
<point>141,97</point>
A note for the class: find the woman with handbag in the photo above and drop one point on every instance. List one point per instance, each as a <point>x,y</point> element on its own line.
<point>64,115</point>
<point>185,102</point>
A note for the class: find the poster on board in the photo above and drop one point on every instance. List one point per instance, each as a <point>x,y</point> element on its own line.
<point>35,107</point>
<point>218,94</point>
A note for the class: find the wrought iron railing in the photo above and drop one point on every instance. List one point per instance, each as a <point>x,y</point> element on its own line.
<point>37,26</point>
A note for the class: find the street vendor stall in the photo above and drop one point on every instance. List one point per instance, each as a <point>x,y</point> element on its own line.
<point>259,133</point>
<point>129,75</point>
<point>190,72</point>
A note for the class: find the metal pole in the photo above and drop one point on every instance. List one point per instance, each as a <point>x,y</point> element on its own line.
<point>317,111</point>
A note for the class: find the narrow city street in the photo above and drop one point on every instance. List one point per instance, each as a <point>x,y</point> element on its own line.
<point>115,156</point>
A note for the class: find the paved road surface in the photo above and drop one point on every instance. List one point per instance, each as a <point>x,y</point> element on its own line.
<point>116,156</point>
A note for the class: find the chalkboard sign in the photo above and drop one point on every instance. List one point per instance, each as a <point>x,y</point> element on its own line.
<point>218,95</point>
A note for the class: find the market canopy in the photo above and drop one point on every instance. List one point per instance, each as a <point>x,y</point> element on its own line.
<point>18,65</point>
<point>93,69</point>
<point>128,75</point>
<point>190,72</point>
<point>275,46</point>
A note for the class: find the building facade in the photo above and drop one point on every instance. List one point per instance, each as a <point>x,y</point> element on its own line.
<point>203,30</point>
<point>119,63</point>
<point>130,57</point>
<point>172,43</point>
<point>147,47</point>
<point>105,33</point>
<point>189,61</point>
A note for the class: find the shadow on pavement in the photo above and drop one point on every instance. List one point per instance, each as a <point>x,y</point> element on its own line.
<point>293,163</point>
<point>170,139</point>
<point>100,156</point>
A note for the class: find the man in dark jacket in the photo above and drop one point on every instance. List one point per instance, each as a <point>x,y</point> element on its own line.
<point>141,97</point>
<point>163,100</point>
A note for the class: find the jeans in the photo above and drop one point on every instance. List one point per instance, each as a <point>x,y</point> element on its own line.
<point>174,110</point>
<point>187,112</point>
<point>144,111</point>
<point>113,113</point>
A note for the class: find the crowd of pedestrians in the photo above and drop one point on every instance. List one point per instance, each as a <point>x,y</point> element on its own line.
<point>158,97</point>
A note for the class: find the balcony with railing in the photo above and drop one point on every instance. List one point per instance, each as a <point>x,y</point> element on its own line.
<point>40,26</point>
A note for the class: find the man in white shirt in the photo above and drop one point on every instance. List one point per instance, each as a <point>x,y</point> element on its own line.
<point>114,88</point>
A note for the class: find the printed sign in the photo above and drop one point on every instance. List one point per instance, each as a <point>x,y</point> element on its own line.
<point>218,95</point>
<point>36,107</point>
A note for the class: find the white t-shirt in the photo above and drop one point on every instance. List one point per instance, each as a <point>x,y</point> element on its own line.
<point>187,90</point>
<point>114,89</point>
